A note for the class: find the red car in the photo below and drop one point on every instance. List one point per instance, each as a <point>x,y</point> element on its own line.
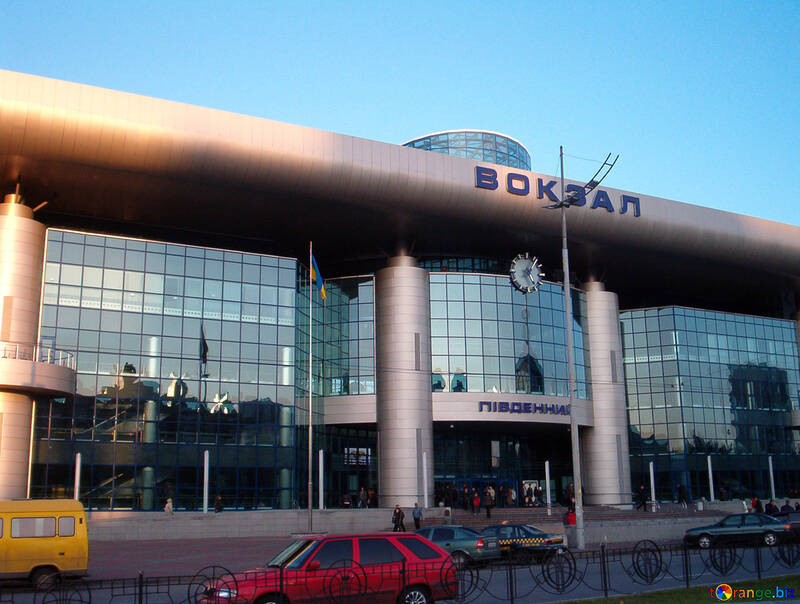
<point>391,568</point>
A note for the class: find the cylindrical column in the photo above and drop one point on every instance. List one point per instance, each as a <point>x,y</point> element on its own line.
<point>652,488</point>
<point>21,254</point>
<point>403,381</point>
<point>710,479</point>
<point>321,480</point>
<point>771,480</point>
<point>547,486</point>
<point>77,488</point>
<point>605,445</point>
<point>425,479</point>
<point>206,464</point>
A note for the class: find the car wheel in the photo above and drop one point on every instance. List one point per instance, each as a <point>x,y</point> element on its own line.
<point>460,559</point>
<point>271,599</point>
<point>44,577</point>
<point>414,595</point>
<point>523,556</point>
<point>770,539</point>
<point>704,541</point>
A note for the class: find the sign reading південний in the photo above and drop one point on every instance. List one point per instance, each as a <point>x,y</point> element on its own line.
<point>520,184</point>
<point>524,408</point>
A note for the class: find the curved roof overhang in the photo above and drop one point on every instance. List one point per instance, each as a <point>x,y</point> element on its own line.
<point>142,164</point>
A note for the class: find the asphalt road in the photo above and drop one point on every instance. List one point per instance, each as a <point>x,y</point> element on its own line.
<point>124,559</point>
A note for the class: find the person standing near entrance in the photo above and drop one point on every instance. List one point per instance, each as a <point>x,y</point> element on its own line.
<point>476,501</point>
<point>363,498</point>
<point>397,520</point>
<point>417,513</point>
<point>487,502</point>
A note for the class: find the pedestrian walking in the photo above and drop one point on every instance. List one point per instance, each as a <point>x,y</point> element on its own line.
<point>417,513</point>
<point>476,501</point>
<point>398,518</point>
<point>642,499</point>
<point>218,505</point>
<point>682,496</point>
<point>363,498</point>
<point>168,510</point>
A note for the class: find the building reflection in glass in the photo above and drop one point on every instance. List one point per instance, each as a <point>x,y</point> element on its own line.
<point>144,413</point>
<point>702,383</point>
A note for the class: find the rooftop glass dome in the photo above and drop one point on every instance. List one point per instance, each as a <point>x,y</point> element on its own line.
<point>479,145</point>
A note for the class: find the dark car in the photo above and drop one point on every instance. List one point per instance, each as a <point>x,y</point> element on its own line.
<point>378,568</point>
<point>739,528</point>
<point>792,518</point>
<point>465,545</point>
<point>524,543</point>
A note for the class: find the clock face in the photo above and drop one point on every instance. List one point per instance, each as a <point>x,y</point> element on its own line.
<point>526,273</point>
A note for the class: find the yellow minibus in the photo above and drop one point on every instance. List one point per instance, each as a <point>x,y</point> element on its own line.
<point>42,539</point>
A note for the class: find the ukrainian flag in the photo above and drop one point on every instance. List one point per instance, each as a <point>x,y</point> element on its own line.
<point>317,278</point>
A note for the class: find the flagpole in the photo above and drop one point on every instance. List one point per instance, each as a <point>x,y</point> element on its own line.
<point>310,401</point>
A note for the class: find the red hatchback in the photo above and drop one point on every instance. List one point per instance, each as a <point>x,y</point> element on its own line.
<point>372,568</point>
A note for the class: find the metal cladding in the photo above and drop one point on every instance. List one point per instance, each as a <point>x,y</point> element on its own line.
<point>403,380</point>
<point>158,159</point>
<point>605,446</point>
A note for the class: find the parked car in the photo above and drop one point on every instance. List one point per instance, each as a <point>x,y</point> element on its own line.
<point>371,568</point>
<point>523,543</point>
<point>465,545</point>
<point>791,518</point>
<point>741,528</point>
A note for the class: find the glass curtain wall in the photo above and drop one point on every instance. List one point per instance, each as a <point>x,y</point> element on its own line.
<point>478,146</point>
<point>349,369</point>
<point>349,349</point>
<point>702,383</point>
<point>139,315</point>
<point>488,337</point>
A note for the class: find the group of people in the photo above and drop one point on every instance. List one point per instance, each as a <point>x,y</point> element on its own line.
<point>399,516</point>
<point>534,496</point>
<point>366,498</point>
<point>771,507</point>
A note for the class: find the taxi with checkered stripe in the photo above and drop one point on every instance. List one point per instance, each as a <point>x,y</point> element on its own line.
<point>524,543</point>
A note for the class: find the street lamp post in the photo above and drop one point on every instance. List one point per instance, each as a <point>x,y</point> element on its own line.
<point>573,424</point>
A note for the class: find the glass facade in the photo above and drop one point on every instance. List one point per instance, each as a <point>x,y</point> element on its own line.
<point>476,145</point>
<point>702,383</point>
<point>499,455</point>
<point>349,326</point>
<point>487,336</point>
<point>135,314</point>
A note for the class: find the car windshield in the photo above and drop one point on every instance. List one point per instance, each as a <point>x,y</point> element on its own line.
<point>300,548</point>
<point>530,530</point>
<point>465,532</point>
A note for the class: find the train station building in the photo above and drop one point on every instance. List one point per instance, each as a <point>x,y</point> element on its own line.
<point>155,305</point>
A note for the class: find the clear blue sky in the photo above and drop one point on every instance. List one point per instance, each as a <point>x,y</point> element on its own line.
<point>700,99</point>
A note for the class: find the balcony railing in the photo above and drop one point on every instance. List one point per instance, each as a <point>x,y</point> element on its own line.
<point>37,353</point>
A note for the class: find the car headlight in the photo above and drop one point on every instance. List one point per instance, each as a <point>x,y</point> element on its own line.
<point>226,592</point>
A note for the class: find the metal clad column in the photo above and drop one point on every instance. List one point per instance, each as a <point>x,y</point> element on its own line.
<point>605,445</point>
<point>21,254</point>
<point>403,366</point>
